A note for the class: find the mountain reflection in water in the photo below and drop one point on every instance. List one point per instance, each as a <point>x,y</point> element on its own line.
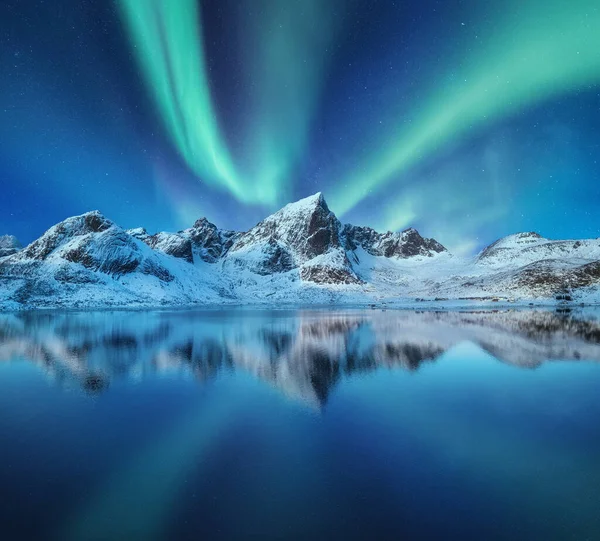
<point>302,353</point>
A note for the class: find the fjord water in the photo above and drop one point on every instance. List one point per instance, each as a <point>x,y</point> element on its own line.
<point>299,424</point>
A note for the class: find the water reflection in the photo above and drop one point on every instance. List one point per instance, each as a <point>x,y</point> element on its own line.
<point>302,353</point>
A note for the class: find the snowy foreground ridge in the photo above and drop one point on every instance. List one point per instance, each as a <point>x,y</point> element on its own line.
<point>300,254</point>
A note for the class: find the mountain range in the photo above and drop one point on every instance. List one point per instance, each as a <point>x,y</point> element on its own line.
<point>300,254</point>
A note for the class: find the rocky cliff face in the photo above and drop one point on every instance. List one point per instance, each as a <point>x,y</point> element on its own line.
<point>203,240</point>
<point>306,228</point>
<point>209,242</point>
<point>408,243</point>
<point>174,244</point>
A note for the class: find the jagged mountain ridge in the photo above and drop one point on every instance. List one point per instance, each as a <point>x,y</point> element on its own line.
<point>302,253</point>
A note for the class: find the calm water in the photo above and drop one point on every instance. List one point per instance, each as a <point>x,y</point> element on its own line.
<point>354,424</point>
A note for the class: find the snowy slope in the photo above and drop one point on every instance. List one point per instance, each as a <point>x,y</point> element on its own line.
<point>525,248</point>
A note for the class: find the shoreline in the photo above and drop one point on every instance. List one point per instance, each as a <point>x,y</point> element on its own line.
<point>404,304</point>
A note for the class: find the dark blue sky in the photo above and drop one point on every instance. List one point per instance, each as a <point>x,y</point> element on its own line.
<point>329,95</point>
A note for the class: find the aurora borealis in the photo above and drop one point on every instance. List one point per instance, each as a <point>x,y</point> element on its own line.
<point>467,120</point>
<point>165,37</point>
<point>523,64</point>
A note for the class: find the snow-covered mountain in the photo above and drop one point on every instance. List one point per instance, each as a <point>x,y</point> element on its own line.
<point>302,253</point>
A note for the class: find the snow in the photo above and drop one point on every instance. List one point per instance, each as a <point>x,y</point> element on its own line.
<point>9,241</point>
<point>525,248</point>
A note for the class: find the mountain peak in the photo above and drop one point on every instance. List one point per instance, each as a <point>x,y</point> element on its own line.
<point>300,231</point>
<point>9,241</point>
<point>307,205</point>
<point>514,241</point>
<point>88,222</point>
<point>84,224</point>
<point>203,222</point>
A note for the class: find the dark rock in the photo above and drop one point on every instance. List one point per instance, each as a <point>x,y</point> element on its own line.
<point>113,252</point>
<point>325,274</point>
<point>174,244</point>
<point>408,243</point>
<point>209,242</point>
<point>541,276</point>
<point>94,383</point>
<point>586,275</point>
<point>276,259</point>
<point>71,275</point>
<point>153,268</point>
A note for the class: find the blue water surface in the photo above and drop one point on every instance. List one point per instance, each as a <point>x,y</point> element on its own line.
<point>299,424</point>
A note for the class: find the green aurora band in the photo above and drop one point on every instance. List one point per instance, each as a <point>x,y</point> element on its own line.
<point>138,501</point>
<point>166,41</point>
<point>539,51</point>
<point>284,46</point>
<point>287,50</point>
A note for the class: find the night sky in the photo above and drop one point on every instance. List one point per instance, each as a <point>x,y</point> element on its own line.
<point>468,120</point>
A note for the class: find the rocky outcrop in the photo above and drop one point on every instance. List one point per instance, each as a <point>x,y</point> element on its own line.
<point>63,232</point>
<point>209,242</point>
<point>328,274</point>
<point>174,244</point>
<point>203,240</point>
<point>408,243</point>
<point>9,245</point>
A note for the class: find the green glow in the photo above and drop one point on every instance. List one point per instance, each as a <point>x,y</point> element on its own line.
<point>286,47</point>
<point>452,195</point>
<point>540,51</point>
<point>138,502</point>
<point>167,43</point>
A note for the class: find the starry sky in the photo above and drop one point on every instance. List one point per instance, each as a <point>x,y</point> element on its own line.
<point>468,120</point>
